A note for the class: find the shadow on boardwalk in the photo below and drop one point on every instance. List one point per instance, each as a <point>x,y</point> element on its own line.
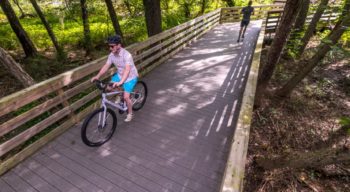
<point>179,141</point>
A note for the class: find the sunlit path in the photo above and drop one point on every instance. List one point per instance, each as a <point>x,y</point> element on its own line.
<point>178,142</point>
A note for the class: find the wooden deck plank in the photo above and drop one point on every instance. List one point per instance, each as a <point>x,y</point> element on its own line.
<point>179,141</point>
<point>99,170</point>
<point>50,177</point>
<point>4,187</point>
<point>60,170</point>
<point>120,161</point>
<point>166,169</point>
<point>17,183</point>
<point>84,172</point>
<point>34,179</point>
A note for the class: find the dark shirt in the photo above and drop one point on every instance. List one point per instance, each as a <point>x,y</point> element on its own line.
<point>247,12</point>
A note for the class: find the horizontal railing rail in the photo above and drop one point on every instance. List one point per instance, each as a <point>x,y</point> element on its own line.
<point>233,14</point>
<point>34,116</point>
<point>273,18</point>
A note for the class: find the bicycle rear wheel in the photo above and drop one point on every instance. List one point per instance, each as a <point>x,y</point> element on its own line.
<point>94,131</point>
<point>139,95</point>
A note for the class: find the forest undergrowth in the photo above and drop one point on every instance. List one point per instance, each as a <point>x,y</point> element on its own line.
<point>302,122</point>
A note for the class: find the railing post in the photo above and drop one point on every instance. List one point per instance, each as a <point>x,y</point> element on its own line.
<point>221,13</point>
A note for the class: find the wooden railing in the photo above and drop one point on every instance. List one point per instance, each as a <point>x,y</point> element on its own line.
<point>34,116</point>
<point>235,166</point>
<point>273,18</point>
<point>233,14</point>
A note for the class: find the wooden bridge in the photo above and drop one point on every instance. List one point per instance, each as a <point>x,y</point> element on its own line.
<point>191,135</point>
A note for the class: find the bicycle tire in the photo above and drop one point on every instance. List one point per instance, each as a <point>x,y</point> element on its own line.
<point>89,121</point>
<point>140,88</point>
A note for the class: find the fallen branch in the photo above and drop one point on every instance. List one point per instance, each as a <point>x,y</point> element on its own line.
<point>312,159</point>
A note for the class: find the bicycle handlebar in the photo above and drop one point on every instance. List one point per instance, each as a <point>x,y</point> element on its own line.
<point>101,85</point>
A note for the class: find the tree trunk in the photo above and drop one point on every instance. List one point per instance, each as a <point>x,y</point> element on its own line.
<point>20,9</point>
<point>114,18</point>
<point>153,17</point>
<point>314,159</point>
<point>203,6</point>
<point>15,69</point>
<point>300,21</point>
<point>309,65</point>
<point>273,56</point>
<point>230,3</point>
<point>48,28</point>
<point>87,37</point>
<point>312,27</point>
<point>27,44</point>
<point>128,7</point>
<point>187,9</point>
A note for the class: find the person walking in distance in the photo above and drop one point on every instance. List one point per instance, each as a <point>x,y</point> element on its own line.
<point>247,12</point>
<point>126,76</point>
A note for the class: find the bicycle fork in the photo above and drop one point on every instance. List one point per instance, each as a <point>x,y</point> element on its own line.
<point>103,118</point>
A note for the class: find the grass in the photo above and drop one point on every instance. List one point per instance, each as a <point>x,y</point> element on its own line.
<point>68,28</point>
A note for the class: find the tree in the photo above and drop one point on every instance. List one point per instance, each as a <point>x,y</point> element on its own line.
<point>204,4</point>
<point>186,6</point>
<point>134,7</point>
<point>48,28</point>
<point>87,37</point>
<point>276,48</point>
<point>15,69</point>
<point>302,15</point>
<point>27,44</point>
<point>230,3</point>
<point>312,27</point>
<point>20,9</point>
<point>153,16</point>
<point>114,18</point>
<point>323,48</point>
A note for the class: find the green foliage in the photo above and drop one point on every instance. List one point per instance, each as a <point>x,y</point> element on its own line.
<point>66,21</point>
<point>345,121</point>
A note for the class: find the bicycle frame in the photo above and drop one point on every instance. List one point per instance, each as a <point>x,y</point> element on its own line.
<point>106,116</point>
<point>105,101</point>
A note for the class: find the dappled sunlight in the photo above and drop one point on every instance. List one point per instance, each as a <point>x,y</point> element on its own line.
<point>104,152</point>
<point>196,128</point>
<point>221,119</point>
<point>232,113</point>
<point>178,109</point>
<point>67,78</point>
<point>179,140</point>
<point>211,123</point>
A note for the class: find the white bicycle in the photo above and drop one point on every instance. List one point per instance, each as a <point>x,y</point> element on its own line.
<point>101,124</point>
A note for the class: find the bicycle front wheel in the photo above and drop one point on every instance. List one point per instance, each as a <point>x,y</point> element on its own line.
<point>139,95</point>
<point>98,127</point>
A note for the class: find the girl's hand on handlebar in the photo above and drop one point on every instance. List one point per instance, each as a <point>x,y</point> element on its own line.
<point>117,84</point>
<point>94,79</point>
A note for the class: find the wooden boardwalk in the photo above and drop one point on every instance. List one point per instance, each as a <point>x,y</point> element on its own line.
<point>178,142</point>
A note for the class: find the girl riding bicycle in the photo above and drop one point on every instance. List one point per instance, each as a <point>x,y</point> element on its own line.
<point>126,76</point>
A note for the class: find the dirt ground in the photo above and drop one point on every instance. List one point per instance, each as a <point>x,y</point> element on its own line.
<point>300,123</point>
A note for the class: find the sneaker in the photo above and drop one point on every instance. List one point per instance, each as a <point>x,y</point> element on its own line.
<point>128,117</point>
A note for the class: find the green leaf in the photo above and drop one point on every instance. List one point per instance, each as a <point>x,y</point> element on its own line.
<point>344,121</point>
